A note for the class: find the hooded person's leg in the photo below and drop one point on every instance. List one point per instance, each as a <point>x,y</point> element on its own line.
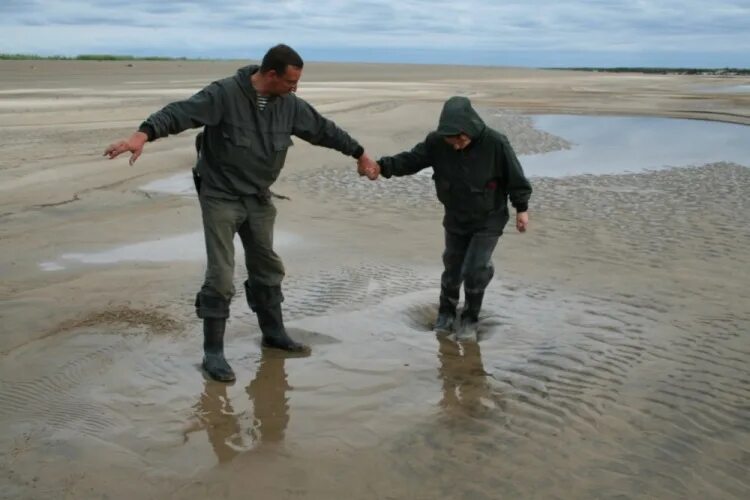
<point>477,273</point>
<point>456,246</point>
<point>220,221</point>
<point>265,273</point>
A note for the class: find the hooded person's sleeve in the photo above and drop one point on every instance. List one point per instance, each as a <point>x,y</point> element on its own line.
<point>311,126</point>
<point>519,187</point>
<point>406,163</point>
<point>203,108</point>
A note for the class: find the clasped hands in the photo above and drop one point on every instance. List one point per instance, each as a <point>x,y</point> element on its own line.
<point>368,167</point>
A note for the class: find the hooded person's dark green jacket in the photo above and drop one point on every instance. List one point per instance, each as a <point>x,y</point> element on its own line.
<point>244,149</point>
<point>474,184</point>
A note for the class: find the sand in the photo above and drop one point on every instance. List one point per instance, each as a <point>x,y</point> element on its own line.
<point>613,356</point>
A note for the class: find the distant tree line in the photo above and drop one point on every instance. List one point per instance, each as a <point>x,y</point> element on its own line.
<point>89,57</point>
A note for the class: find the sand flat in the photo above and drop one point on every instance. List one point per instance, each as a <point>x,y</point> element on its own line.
<point>613,352</point>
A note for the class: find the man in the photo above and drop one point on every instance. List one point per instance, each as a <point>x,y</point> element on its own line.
<point>248,119</point>
<point>475,172</point>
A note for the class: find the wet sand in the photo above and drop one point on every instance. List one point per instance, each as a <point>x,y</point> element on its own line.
<point>613,354</point>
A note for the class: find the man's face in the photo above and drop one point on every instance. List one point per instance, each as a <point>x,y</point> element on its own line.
<point>458,142</point>
<point>283,84</point>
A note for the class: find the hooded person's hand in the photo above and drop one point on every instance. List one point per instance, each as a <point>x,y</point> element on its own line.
<point>522,221</point>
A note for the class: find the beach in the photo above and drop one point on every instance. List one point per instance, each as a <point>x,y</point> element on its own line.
<point>613,357</point>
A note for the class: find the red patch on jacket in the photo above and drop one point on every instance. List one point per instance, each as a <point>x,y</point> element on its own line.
<point>491,185</point>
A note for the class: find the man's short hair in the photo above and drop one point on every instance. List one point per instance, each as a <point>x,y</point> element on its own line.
<point>279,57</point>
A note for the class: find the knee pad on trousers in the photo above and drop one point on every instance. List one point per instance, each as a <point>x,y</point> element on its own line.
<point>208,305</point>
<point>262,296</point>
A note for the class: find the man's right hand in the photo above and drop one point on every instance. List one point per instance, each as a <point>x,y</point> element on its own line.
<point>134,144</point>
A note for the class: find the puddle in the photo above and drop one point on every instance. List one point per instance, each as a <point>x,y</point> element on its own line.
<point>614,145</point>
<point>186,247</point>
<point>45,103</point>
<point>728,89</point>
<point>181,184</point>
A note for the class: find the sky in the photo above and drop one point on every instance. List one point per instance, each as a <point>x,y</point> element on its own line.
<point>532,33</point>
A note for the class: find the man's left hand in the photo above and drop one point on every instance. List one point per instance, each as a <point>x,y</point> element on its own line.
<point>367,166</point>
<point>522,221</point>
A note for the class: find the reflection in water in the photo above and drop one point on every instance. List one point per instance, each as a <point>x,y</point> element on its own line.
<point>216,415</point>
<point>466,389</point>
<point>267,391</point>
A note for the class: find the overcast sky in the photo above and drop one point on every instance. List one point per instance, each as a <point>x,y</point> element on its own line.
<point>705,33</point>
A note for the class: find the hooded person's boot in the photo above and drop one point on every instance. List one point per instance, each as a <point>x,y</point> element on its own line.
<point>213,350</point>
<point>446,311</point>
<point>472,306</point>
<point>274,334</point>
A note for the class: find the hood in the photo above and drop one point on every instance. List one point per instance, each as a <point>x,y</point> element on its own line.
<point>459,117</point>
<point>243,78</point>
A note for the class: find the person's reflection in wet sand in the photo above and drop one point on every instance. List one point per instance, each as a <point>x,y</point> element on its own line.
<point>267,391</point>
<point>215,414</point>
<point>465,384</point>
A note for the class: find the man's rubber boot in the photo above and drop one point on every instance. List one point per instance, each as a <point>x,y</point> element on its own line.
<point>274,334</point>
<point>213,350</point>
<point>447,311</point>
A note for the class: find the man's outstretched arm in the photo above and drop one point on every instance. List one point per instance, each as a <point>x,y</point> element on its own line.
<point>316,129</point>
<point>203,108</point>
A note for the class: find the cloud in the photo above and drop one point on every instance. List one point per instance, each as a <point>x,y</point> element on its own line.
<point>237,28</point>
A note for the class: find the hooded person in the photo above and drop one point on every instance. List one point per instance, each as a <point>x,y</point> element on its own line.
<point>476,172</point>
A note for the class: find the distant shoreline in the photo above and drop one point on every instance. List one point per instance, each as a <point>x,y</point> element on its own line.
<point>626,69</point>
<point>664,71</point>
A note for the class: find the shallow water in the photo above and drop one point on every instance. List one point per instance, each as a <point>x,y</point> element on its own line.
<point>563,395</point>
<point>613,145</point>
<point>181,184</point>
<point>617,366</point>
<point>186,247</point>
<point>742,88</point>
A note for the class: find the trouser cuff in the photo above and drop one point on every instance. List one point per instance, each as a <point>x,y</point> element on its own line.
<point>261,296</point>
<point>208,305</point>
